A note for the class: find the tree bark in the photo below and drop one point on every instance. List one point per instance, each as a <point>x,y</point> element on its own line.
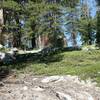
<point>74,39</point>
<point>1,25</point>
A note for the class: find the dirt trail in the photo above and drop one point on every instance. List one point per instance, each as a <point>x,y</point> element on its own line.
<point>29,87</point>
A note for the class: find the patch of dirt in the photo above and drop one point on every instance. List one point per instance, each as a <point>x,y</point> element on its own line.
<point>29,87</point>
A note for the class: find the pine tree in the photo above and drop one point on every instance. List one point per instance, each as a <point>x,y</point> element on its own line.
<point>34,13</point>
<point>86,24</point>
<point>98,25</point>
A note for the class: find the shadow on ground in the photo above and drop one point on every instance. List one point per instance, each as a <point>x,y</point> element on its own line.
<point>4,72</point>
<point>46,56</point>
<point>23,59</point>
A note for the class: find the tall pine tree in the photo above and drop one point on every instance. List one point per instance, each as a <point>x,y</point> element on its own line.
<point>98,25</point>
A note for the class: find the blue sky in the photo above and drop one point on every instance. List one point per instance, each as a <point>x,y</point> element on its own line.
<point>92,6</point>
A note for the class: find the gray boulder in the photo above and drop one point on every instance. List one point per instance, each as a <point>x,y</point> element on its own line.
<point>7,58</point>
<point>2,56</point>
<point>1,46</point>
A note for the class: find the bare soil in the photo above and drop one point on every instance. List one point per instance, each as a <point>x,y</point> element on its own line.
<point>30,87</point>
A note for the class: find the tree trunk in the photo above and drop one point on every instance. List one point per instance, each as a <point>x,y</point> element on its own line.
<point>1,25</point>
<point>74,39</point>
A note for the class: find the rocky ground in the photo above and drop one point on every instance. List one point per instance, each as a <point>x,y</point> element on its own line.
<point>29,87</point>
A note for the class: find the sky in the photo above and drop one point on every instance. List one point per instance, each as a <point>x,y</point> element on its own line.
<point>92,6</point>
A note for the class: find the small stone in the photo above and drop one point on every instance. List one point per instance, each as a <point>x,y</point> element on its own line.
<point>61,79</point>
<point>1,84</point>
<point>83,82</point>
<point>63,96</point>
<point>38,88</point>
<point>35,79</point>
<point>9,91</point>
<point>25,88</point>
<point>50,79</point>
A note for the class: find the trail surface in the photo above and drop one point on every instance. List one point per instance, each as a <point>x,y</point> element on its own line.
<point>29,87</point>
